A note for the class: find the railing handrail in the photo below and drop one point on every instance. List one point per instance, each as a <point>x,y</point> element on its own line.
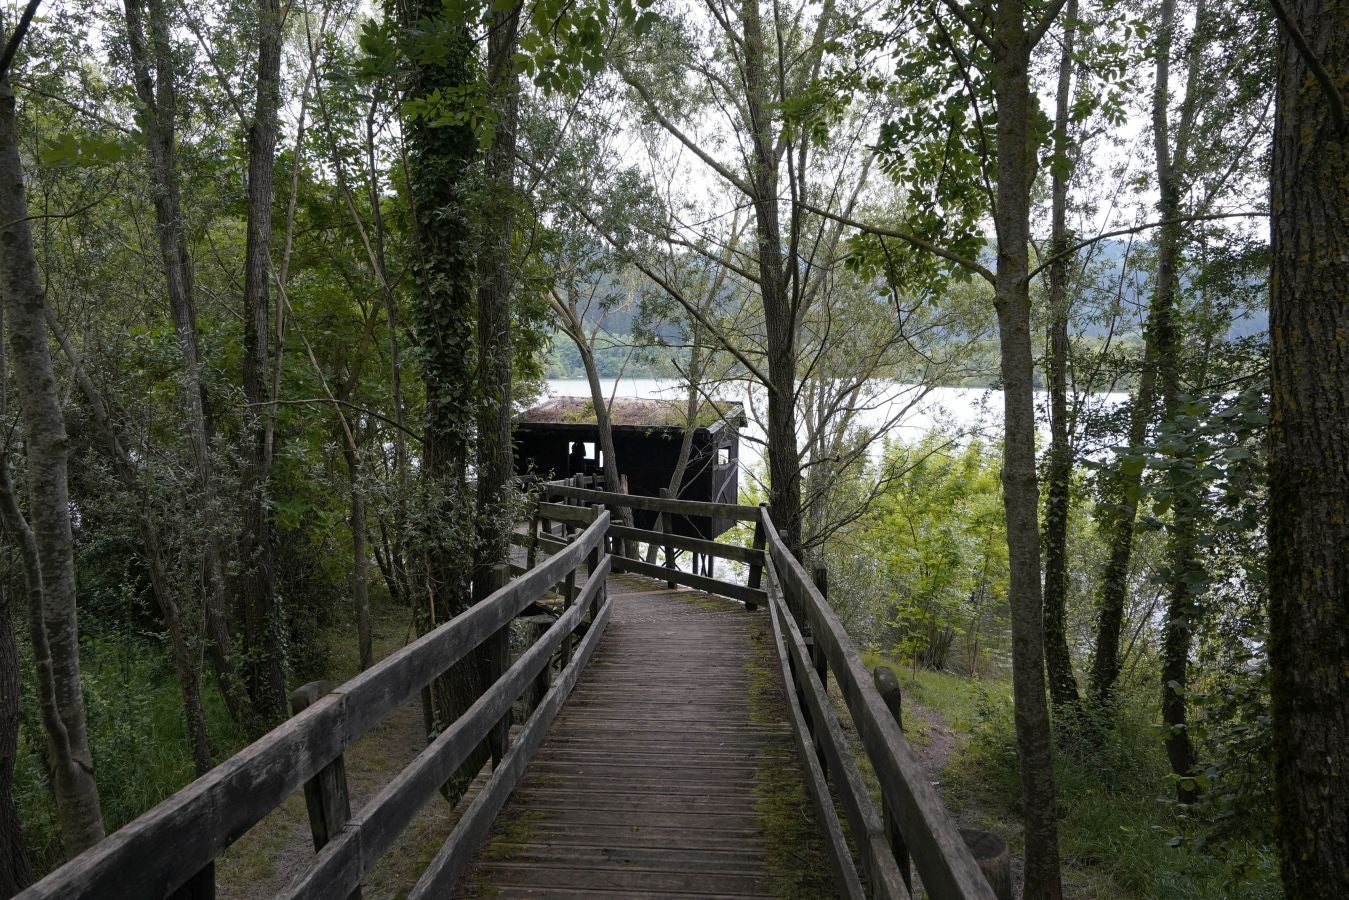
<point>676,507</point>
<point>939,853</point>
<point>155,854</point>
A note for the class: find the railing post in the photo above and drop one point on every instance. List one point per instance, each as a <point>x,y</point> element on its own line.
<point>497,648</point>
<point>532,550</point>
<point>325,795</point>
<point>888,685</point>
<point>538,627</point>
<point>568,598</point>
<point>756,569</point>
<point>667,526</point>
<point>820,575</point>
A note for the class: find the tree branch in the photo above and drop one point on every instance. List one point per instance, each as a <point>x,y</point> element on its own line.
<point>910,238</point>
<point>15,39</point>
<point>1323,77</point>
<point>1135,229</point>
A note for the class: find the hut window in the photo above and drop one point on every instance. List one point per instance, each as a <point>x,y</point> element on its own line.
<point>723,456</point>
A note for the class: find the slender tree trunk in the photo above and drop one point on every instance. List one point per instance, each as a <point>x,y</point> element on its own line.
<point>496,462</point>
<point>1309,455</point>
<point>15,870</point>
<point>1059,476</point>
<point>1184,572</point>
<point>784,464</point>
<point>158,97</point>
<point>1159,379</point>
<point>360,551</point>
<point>264,624</point>
<point>184,637</point>
<point>47,545</point>
<point>1016,159</point>
<point>439,159</point>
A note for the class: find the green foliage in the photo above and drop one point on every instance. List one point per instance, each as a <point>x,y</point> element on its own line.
<point>939,538</point>
<point>1119,827</point>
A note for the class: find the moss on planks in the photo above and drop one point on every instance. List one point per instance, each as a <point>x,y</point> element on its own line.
<point>797,863</point>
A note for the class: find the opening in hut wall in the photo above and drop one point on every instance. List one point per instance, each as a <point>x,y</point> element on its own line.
<point>561,438</point>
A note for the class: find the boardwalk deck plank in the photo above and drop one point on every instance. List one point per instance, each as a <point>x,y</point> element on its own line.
<point>647,784</point>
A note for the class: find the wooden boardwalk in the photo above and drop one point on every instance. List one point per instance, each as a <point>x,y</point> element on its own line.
<point>670,772</point>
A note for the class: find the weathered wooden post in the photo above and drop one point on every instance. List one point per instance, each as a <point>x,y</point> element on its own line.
<point>532,549</point>
<point>325,795</point>
<point>820,575</point>
<point>568,598</point>
<point>756,569</point>
<point>667,526</point>
<point>538,627</point>
<point>994,859</point>
<point>888,685</point>
<point>498,651</point>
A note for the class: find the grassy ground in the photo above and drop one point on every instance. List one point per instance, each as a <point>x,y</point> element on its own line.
<point>265,860</point>
<point>1117,824</point>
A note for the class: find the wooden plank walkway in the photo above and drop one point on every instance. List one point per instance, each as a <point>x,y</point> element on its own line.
<point>670,772</point>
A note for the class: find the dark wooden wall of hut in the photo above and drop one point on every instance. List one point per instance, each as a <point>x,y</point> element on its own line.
<point>647,456</point>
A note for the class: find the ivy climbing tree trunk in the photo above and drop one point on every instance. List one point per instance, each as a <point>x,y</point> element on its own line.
<point>1184,574</point>
<point>1059,474</point>
<point>47,544</point>
<point>264,624</point>
<point>496,464</point>
<point>1309,450</point>
<point>440,155</point>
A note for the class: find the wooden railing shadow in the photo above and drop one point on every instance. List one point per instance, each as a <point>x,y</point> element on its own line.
<point>170,851</point>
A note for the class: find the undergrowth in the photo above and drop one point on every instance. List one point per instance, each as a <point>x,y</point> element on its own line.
<point>1120,833</point>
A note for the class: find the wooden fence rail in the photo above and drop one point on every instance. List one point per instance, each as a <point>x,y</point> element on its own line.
<point>939,852</point>
<point>169,846</point>
<point>170,851</point>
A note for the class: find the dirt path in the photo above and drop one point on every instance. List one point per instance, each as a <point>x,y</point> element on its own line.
<point>937,745</point>
<point>265,860</point>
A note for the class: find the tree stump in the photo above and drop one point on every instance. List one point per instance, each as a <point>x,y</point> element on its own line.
<point>994,859</point>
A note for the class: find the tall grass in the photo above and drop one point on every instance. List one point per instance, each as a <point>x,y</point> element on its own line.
<point>1120,833</point>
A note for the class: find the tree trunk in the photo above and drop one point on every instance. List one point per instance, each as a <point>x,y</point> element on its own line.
<point>48,545</point>
<point>264,624</point>
<point>1016,159</point>
<point>360,551</point>
<point>784,464</point>
<point>184,638</point>
<point>1059,474</point>
<point>1309,456</point>
<point>1184,572</point>
<point>496,462</point>
<point>439,159</point>
<point>158,97</point>
<point>15,870</point>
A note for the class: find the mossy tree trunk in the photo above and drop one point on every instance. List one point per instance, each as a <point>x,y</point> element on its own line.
<point>1309,451</point>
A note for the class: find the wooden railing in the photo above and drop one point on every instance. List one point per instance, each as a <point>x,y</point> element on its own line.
<point>170,851</point>
<point>913,822</point>
<point>622,537</point>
